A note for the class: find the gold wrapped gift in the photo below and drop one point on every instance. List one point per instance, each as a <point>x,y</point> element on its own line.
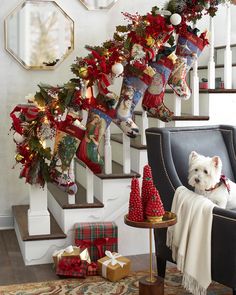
<point>71,251</point>
<point>113,266</point>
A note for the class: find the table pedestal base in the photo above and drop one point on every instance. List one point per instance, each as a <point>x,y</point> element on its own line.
<point>149,288</point>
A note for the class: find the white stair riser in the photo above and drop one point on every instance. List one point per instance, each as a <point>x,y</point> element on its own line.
<point>214,104</point>
<point>40,251</point>
<point>66,218</point>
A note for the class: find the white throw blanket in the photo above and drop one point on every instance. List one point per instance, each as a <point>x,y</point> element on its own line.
<point>190,239</point>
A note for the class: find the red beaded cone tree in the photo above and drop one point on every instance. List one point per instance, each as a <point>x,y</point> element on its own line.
<point>135,202</point>
<point>154,208</point>
<point>147,183</point>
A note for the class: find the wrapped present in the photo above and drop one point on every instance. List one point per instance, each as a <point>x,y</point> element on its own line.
<point>97,237</point>
<point>92,269</point>
<point>113,266</point>
<point>71,252</point>
<point>72,267</point>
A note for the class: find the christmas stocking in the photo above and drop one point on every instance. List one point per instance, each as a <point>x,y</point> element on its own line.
<point>69,134</point>
<point>99,118</point>
<point>189,48</point>
<point>132,91</point>
<point>154,95</point>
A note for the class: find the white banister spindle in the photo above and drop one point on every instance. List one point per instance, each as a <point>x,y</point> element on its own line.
<point>177,105</point>
<point>228,52</point>
<point>107,151</point>
<point>126,154</point>
<point>211,63</point>
<point>195,90</point>
<point>89,186</point>
<point>71,198</point>
<point>143,127</point>
<point>38,214</point>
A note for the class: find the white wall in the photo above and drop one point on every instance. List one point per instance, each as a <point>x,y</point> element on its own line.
<point>91,27</point>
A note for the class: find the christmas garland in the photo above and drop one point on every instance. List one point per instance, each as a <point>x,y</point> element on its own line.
<point>129,51</point>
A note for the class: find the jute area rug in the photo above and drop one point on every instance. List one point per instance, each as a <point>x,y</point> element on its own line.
<point>99,286</point>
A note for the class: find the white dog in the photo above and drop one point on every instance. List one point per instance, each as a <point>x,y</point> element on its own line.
<point>206,178</point>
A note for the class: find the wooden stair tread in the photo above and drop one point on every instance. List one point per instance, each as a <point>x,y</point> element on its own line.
<point>80,198</point>
<point>20,214</point>
<point>216,66</point>
<point>218,90</point>
<point>134,142</point>
<point>183,117</point>
<point>117,171</point>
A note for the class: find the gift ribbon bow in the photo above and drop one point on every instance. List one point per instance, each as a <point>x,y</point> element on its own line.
<point>59,253</point>
<point>98,243</point>
<point>113,260</point>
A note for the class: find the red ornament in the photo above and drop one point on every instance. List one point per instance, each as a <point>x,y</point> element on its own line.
<point>135,203</point>
<point>147,183</point>
<point>154,209</point>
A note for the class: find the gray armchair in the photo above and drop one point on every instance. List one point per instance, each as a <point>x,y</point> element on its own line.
<point>168,151</point>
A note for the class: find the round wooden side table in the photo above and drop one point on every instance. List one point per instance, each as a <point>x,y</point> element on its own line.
<point>152,285</point>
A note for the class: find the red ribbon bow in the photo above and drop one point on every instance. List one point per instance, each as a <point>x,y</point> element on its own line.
<point>98,243</point>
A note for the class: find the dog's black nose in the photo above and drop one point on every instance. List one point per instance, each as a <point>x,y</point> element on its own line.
<point>197,180</point>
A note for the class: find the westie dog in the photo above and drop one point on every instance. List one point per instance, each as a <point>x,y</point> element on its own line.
<point>206,178</point>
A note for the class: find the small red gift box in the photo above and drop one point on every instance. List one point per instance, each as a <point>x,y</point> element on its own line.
<point>92,269</point>
<point>72,267</point>
<point>97,237</point>
<point>203,85</point>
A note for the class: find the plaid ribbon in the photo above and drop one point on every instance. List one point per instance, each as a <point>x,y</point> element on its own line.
<point>97,237</point>
<point>72,267</point>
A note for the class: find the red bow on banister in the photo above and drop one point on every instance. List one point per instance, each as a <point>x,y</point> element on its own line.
<point>30,112</point>
<point>98,243</point>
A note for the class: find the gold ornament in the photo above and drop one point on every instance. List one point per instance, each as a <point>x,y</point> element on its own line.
<point>83,72</point>
<point>19,157</point>
<point>150,41</point>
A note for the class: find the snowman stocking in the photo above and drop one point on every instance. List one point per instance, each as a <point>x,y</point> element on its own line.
<point>189,48</point>
<point>132,91</point>
<point>68,136</point>
<point>154,95</point>
<point>99,118</point>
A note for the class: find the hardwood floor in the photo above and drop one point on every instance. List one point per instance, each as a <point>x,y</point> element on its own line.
<point>13,269</point>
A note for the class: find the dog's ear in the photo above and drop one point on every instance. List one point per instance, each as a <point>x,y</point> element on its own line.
<point>193,155</point>
<point>217,162</point>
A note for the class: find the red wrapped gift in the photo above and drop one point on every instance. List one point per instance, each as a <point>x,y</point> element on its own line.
<point>92,269</point>
<point>203,85</point>
<point>72,267</point>
<point>97,237</point>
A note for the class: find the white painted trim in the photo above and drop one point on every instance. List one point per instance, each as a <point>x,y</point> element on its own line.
<point>6,222</point>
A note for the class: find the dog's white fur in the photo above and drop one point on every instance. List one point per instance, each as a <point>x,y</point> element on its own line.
<point>204,174</point>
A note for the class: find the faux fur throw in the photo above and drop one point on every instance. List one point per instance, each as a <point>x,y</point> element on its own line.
<point>190,239</point>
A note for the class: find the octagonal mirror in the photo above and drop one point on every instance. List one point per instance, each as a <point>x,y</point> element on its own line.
<point>39,34</point>
<point>98,4</point>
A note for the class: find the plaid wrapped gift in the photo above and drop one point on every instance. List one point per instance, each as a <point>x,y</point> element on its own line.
<point>72,267</point>
<point>97,237</point>
<point>92,269</point>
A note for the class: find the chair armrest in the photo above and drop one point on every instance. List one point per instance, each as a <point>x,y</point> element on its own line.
<point>223,213</point>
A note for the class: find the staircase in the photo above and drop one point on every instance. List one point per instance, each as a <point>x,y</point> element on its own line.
<point>103,197</point>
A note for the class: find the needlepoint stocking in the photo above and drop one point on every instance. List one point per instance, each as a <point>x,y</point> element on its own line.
<point>189,48</point>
